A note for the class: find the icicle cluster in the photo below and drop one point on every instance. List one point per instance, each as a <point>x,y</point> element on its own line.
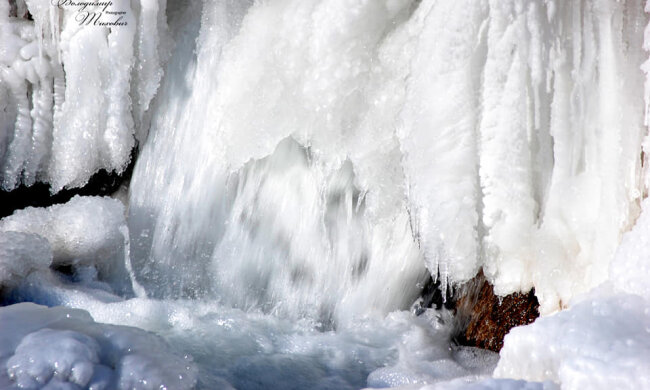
<point>497,134</point>
<point>66,87</point>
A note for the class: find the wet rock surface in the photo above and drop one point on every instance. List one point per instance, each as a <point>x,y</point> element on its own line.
<point>485,319</point>
<point>482,318</point>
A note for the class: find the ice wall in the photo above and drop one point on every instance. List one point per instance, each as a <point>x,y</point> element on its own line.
<point>560,135</point>
<point>309,144</point>
<point>73,89</point>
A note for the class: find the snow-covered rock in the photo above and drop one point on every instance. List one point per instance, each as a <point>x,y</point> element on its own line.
<point>86,231</point>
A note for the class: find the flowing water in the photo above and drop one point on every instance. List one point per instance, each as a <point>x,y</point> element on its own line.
<point>305,165</point>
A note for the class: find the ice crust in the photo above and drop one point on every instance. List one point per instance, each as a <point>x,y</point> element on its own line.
<point>64,348</point>
<point>60,127</point>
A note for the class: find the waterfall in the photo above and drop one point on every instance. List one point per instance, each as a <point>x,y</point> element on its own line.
<point>302,168</point>
<point>306,140</point>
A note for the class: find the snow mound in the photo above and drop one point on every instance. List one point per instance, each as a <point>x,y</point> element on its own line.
<point>65,348</point>
<point>603,340</point>
<point>86,231</point>
<point>600,343</point>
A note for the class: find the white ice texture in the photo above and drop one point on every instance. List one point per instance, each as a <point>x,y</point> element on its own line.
<point>326,146</point>
<point>71,95</point>
<point>311,159</point>
<point>603,340</point>
<point>61,348</point>
<point>86,231</point>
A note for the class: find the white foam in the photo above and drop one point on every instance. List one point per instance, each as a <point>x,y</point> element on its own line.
<point>248,350</point>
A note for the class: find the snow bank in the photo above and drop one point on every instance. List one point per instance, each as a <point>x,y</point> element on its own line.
<point>600,343</point>
<point>61,127</point>
<point>86,231</point>
<point>603,340</point>
<point>64,348</point>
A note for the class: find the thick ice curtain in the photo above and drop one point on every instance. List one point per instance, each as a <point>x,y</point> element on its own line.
<point>497,134</point>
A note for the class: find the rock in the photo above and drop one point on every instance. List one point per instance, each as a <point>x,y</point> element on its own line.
<point>102,183</point>
<point>484,318</point>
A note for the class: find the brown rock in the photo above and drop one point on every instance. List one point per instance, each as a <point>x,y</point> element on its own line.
<point>485,318</point>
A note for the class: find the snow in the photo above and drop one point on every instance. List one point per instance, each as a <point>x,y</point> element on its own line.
<point>600,343</point>
<point>86,231</point>
<point>603,340</point>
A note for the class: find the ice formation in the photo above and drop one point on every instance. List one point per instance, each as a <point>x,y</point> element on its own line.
<point>504,135</point>
<point>21,254</point>
<point>66,88</point>
<point>64,348</point>
<point>305,165</point>
<point>603,340</point>
<point>86,231</point>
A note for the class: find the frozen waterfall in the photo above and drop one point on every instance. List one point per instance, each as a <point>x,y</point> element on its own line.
<point>315,145</point>
<point>304,166</point>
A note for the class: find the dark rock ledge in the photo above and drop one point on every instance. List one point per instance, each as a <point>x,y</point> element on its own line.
<point>482,318</point>
<point>102,183</point>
